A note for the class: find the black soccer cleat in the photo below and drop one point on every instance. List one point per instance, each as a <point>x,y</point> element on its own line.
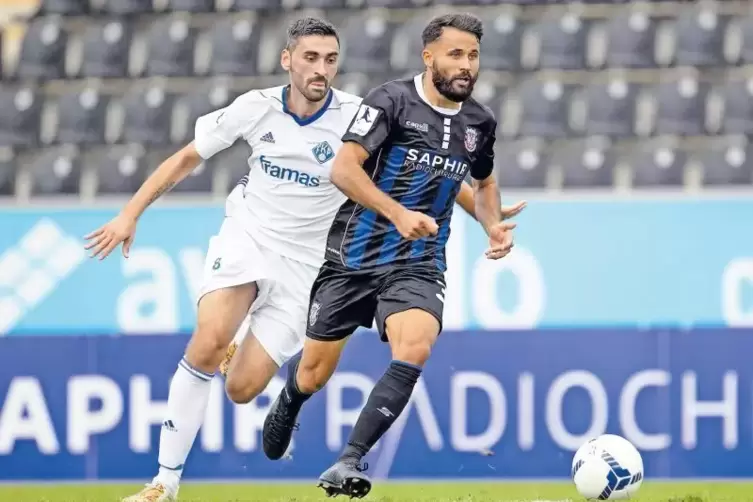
<point>278,427</point>
<point>346,478</point>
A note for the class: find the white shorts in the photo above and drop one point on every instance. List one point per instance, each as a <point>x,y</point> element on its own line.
<point>277,317</point>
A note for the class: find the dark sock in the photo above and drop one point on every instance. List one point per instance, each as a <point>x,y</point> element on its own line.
<point>295,397</point>
<point>390,394</point>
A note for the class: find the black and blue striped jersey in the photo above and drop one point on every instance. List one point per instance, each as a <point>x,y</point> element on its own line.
<point>419,154</point>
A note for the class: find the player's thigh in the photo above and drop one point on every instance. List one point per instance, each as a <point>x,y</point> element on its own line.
<point>251,369</point>
<point>409,313</point>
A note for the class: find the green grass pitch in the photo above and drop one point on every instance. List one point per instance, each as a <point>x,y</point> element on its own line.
<point>383,492</point>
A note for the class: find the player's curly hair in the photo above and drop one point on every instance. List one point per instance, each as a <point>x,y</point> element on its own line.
<point>464,22</point>
<point>309,26</point>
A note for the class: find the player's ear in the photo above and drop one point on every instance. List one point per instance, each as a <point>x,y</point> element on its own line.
<point>428,58</point>
<point>285,60</point>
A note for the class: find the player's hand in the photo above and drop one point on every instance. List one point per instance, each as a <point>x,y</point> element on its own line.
<point>500,240</point>
<point>514,210</point>
<point>413,225</point>
<point>102,241</point>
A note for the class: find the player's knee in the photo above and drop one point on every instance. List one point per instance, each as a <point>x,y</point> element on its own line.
<point>207,347</point>
<point>413,351</point>
<point>242,390</point>
<point>312,375</point>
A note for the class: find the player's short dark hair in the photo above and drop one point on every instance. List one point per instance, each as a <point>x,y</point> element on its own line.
<point>309,26</point>
<point>464,22</point>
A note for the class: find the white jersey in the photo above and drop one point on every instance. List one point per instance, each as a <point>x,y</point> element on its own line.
<point>289,202</point>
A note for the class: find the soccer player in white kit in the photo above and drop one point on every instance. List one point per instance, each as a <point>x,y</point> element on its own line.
<point>261,265</point>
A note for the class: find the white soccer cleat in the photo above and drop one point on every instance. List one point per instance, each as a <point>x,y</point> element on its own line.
<point>152,492</point>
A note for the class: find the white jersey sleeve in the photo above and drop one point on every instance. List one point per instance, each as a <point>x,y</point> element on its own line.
<point>219,129</point>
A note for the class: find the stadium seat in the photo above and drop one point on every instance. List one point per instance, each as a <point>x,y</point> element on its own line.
<point>631,39</point>
<point>737,96</point>
<point>729,163</point>
<point>658,165</point>
<point>148,115</point>
<point>488,94</point>
<point>681,107</point>
<point>407,46</point>
<point>257,5</point>
<point>699,35</point>
<point>746,49</point>
<point>545,108</point>
<point>43,50</point>
<point>367,41</point>
<point>235,46</point>
<point>323,4</point>
<point>82,117</point>
<point>128,7</point>
<point>55,171</point>
<point>171,48</point>
<point>7,172</point>
<point>198,181</point>
<point>563,42</point>
<point>20,116</point>
<point>193,105</point>
<point>120,169</point>
<point>106,48</point>
<point>522,164</point>
<point>502,45</point>
<point>611,108</point>
<point>64,7</point>
<point>191,5</point>
<point>397,4</point>
<point>587,164</point>
<point>234,161</point>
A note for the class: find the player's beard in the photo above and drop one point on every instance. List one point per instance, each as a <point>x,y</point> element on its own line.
<point>445,84</point>
<point>314,94</point>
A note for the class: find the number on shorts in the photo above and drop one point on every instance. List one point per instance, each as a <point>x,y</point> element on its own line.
<point>217,264</point>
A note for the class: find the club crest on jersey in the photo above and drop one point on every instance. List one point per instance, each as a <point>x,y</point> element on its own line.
<point>323,152</point>
<point>314,313</point>
<point>471,138</point>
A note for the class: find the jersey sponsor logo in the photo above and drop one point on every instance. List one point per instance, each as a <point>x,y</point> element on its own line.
<point>286,174</point>
<point>429,161</point>
<point>323,152</point>
<point>423,126</point>
<point>365,120</point>
<point>471,138</point>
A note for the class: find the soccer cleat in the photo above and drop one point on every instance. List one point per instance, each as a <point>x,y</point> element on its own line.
<point>278,427</point>
<point>152,492</point>
<point>225,364</point>
<point>346,478</point>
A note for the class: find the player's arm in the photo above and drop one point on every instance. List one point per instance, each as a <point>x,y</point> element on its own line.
<point>466,200</point>
<point>367,133</point>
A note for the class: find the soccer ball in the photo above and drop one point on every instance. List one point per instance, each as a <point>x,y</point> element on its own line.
<point>607,468</point>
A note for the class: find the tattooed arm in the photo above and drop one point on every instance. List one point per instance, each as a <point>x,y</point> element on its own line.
<point>171,172</point>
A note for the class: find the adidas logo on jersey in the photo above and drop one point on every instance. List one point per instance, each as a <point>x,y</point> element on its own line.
<point>287,174</point>
<point>268,138</point>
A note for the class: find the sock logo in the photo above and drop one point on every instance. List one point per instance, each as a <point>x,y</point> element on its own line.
<point>386,412</point>
<point>168,425</point>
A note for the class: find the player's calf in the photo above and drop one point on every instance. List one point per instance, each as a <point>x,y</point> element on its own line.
<point>250,371</point>
<point>318,362</point>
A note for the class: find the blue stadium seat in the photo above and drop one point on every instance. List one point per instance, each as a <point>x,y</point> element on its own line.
<point>191,5</point>
<point>699,33</point>
<point>8,172</point>
<point>20,116</point>
<point>587,164</point>
<point>502,45</point>
<point>171,48</point>
<point>611,108</point>
<point>521,164</point>
<point>43,50</point>
<point>55,171</point>
<point>120,169</point>
<point>738,107</point>
<point>729,163</point>
<point>128,7</point>
<point>235,46</point>
<point>367,41</point>
<point>106,48</point>
<point>64,7</point>
<point>658,165</point>
<point>545,108</point>
<point>631,39</point>
<point>681,107</point>
<point>82,117</point>
<point>148,115</point>
<point>563,42</point>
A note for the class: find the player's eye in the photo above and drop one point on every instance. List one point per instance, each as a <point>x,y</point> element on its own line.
<point>473,56</point>
<point>332,60</point>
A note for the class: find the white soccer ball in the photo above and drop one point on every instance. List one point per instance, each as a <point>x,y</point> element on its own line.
<point>607,468</point>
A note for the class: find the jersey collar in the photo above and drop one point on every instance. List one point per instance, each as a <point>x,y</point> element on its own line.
<point>418,81</point>
<point>308,120</point>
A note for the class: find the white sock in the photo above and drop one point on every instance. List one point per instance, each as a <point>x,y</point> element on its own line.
<point>186,407</point>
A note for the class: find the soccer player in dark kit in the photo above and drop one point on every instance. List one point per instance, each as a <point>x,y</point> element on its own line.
<point>403,160</point>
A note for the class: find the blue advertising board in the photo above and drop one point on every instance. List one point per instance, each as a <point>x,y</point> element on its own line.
<point>487,406</point>
<point>632,262</point>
